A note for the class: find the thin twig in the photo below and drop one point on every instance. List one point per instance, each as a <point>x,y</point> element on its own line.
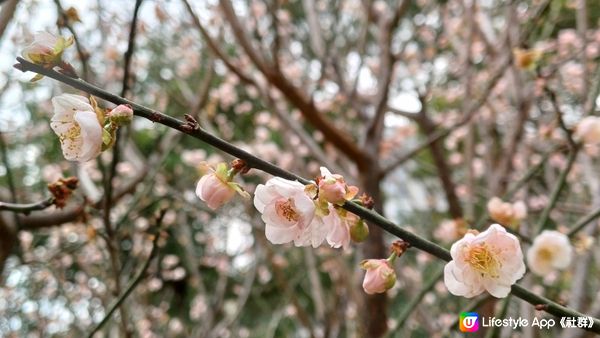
<point>410,307</point>
<point>583,222</point>
<point>27,208</point>
<point>134,283</point>
<point>555,194</point>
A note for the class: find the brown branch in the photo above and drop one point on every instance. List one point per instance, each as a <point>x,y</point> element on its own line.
<point>294,94</point>
<point>442,133</point>
<point>387,61</point>
<point>214,47</point>
<point>6,14</point>
<point>439,158</point>
<point>81,52</point>
<point>27,208</point>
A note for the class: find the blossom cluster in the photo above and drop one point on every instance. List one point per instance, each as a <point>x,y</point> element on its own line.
<point>307,215</point>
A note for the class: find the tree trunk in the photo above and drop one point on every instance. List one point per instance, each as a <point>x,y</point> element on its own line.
<point>375,311</point>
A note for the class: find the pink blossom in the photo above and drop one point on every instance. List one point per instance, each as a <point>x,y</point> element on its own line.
<point>288,213</point>
<point>588,130</point>
<point>509,214</point>
<point>339,233</point>
<point>490,261</point>
<point>380,275</point>
<point>333,188</point>
<point>551,250</point>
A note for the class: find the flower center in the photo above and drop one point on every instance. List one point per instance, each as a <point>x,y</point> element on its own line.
<point>545,254</point>
<point>287,210</point>
<point>482,259</point>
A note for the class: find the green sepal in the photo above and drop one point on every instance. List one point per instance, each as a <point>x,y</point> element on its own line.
<point>36,78</point>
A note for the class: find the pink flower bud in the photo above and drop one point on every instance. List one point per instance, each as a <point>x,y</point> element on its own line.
<point>380,275</point>
<point>214,191</point>
<point>333,188</point>
<point>121,114</point>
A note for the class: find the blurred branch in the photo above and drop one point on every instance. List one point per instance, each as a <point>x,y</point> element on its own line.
<point>442,133</point>
<point>315,34</point>
<point>214,47</point>
<point>9,175</point>
<point>555,194</point>
<point>387,62</point>
<point>6,14</point>
<point>444,171</point>
<point>134,283</point>
<point>81,52</point>
<point>252,161</point>
<point>299,99</point>
<point>583,222</point>
<point>38,221</point>
<point>416,300</point>
<point>27,208</point>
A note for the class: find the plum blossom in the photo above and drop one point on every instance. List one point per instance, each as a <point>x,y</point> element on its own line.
<point>490,261</point>
<point>77,127</point>
<point>588,130</point>
<point>551,250</point>
<point>288,213</point>
<point>333,188</point>
<point>380,275</point>
<point>46,49</point>
<point>217,188</point>
<point>508,214</point>
<point>339,228</point>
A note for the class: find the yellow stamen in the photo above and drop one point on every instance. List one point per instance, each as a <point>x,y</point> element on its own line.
<point>484,260</point>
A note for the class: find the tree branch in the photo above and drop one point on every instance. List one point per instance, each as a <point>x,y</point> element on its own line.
<point>27,208</point>
<point>257,163</point>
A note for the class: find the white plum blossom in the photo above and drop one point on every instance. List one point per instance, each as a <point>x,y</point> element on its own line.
<point>46,48</point>
<point>288,213</point>
<point>550,251</point>
<point>77,126</point>
<point>490,261</point>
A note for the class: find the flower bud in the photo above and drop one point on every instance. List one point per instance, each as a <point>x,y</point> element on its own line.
<point>359,231</point>
<point>216,188</point>
<point>333,188</point>
<point>121,114</point>
<point>380,275</point>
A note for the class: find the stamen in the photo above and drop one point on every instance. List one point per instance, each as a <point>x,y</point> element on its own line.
<point>484,260</point>
<point>287,210</point>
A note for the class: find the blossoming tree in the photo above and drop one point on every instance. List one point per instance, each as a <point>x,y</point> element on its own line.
<point>298,168</point>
